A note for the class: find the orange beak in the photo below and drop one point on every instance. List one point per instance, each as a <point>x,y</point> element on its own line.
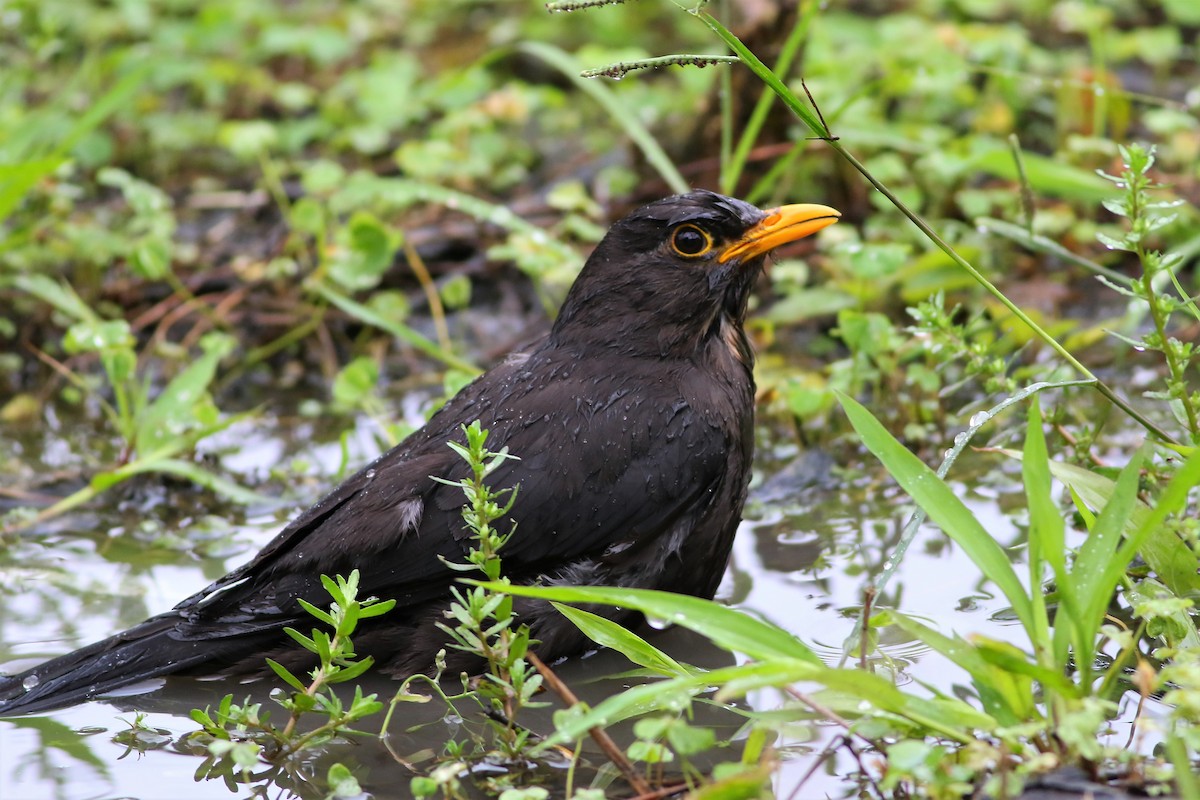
<point>782,225</point>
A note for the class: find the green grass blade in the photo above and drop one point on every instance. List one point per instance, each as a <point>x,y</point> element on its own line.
<point>397,329</point>
<point>764,73</point>
<point>1099,567</point>
<point>733,166</point>
<point>938,501</point>
<point>1047,175</point>
<point>728,628</point>
<point>33,157</point>
<point>173,412</point>
<point>605,632</point>
<point>1003,696</point>
<point>1047,546</point>
<point>1168,555</point>
<point>947,717</point>
<point>1173,500</point>
<point>201,477</point>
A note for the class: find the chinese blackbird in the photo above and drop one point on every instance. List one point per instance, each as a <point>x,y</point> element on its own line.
<point>632,421</point>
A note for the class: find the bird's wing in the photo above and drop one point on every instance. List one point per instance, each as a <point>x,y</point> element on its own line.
<point>609,460</point>
<point>592,477</point>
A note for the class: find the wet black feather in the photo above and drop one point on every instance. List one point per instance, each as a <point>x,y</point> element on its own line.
<point>633,425</point>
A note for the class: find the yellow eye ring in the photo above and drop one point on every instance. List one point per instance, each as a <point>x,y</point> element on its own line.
<point>691,241</point>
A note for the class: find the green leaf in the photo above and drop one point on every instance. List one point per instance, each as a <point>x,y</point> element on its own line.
<point>364,253</point>
<point>938,501</point>
<point>355,382</point>
<point>97,336</point>
<point>197,475</point>
<point>1014,661</point>
<point>726,627</point>
<point>351,671</point>
<point>688,739</point>
<point>57,293</point>
<point>33,154</point>
<point>285,675</point>
<point>605,632</point>
<point>1047,175</point>
<point>342,783</point>
<point>946,716</point>
<point>17,179</point>
<point>1099,566</point>
<point>1171,559</point>
<point>315,611</point>
<point>376,609</point>
<point>1004,697</point>
<point>1047,544</point>
<point>394,327</point>
<point>304,641</point>
<point>334,587</point>
<point>174,412</point>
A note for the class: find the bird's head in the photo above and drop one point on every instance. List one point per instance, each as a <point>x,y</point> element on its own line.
<point>676,272</point>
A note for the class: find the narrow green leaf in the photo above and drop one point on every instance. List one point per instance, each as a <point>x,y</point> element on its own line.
<point>605,632</point>
<point>334,590</point>
<point>764,74</point>
<point>304,641</point>
<point>1047,545</point>
<point>197,475</point>
<point>285,675</point>
<point>351,671</point>
<point>17,179</point>
<point>938,501</point>
<point>726,627</point>
<point>1047,175</point>
<point>1171,559</point>
<point>668,694</point>
<point>1172,500</point>
<point>315,611</point>
<point>398,329</point>
<point>323,645</point>
<point>1099,567</point>
<point>376,609</point>
<point>1004,698</point>
<point>1012,660</point>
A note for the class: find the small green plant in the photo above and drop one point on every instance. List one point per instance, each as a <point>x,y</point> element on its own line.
<point>155,430</point>
<point>481,620</point>
<point>948,338</point>
<point>1146,216</point>
<point>244,734</point>
<point>1032,709</point>
<point>139,737</point>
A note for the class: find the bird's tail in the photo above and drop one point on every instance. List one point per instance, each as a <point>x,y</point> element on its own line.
<point>140,653</point>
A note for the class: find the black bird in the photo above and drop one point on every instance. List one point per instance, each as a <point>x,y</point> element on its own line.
<point>633,422</point>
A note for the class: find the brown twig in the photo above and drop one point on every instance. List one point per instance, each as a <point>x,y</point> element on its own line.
<point>436,310</point>
<point>828,137</point>
<point>816,764</point>
<point>865,628</point>
<point>821,710</point>
<point>597,733</point>
<point>665,791</point>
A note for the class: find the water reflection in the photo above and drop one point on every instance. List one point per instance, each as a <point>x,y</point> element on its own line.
<point>50,756</point>
<point>801,560</point>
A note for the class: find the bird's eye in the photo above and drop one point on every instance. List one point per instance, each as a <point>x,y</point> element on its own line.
<point>690,241</point>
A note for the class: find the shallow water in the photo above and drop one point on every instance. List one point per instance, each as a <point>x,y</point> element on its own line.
<point>801,560</point>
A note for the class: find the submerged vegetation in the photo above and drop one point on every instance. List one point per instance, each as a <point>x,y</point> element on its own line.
<point>208,212</point>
